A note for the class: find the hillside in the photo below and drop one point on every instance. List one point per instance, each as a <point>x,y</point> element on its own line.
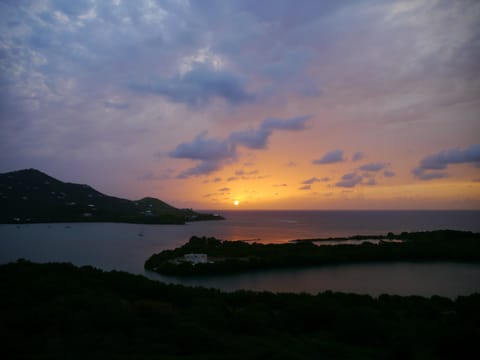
<point>30,196</point>
<point>58,311</point>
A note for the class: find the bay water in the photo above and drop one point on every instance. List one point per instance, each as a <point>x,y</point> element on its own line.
<point>125,247</point>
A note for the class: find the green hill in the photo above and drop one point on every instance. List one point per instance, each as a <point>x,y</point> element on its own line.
<point>30,196</point>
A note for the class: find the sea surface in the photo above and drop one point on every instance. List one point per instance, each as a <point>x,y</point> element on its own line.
<point>125,247</point>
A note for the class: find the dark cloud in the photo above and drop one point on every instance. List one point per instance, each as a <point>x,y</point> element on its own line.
<point>116,105</point>
<point>422,174</point>
<point>198,86</point>
<point>357,156</point>
<point>213,154</point>
<point>388,173</point>
<point>349,180</point>
<point>370,182</point>
<point>224,189</point>
<point>430,166</point>
<point>310,181</point>
<point>372,167</point>
<point>204,168</point>
<point>314,179</point>
<point>331,157</point>
<point>205,149</point>
<point>258,138</point>
<point>305,187</point>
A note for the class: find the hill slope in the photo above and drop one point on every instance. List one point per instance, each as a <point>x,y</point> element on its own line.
<point>32,196</point>
<point>58,311</point>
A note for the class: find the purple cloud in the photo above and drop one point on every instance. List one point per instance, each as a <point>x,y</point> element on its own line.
<point>374,167</point>
<point>388,173</point>
<point>422,174</point>
<point>198,86</point>
<point>430,165</point>
<point>213,154</point>
<point>204,149</point>
<point>258,138</point>
<point>314,179</point>
<point>305,187</point>
<point>370,182</point>
<point>331,157</point>
<point>357,156</point>
<point>349,180</point>
<point>118,105</point>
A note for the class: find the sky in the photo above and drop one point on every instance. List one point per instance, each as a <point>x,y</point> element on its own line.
<point>276,104</point>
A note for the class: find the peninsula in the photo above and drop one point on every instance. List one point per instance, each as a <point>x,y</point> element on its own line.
<point>207,256</point>
<point>30,196</point>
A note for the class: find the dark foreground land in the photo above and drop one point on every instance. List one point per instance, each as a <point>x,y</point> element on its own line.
<point>59,311</point>
<point>237,256</point>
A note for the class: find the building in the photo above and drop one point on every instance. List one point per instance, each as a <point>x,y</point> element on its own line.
<point>195,258</point>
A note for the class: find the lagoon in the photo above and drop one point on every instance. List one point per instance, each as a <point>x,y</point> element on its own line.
<point>126,246</point>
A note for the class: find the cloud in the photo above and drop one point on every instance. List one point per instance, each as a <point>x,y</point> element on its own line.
<point>213,154</point>
<point>388,173</point>
<point>428,175</point>
<point>204,149</point>
<point>198,86</point>
<point>305,187</point>
<point>331,157</point>
<point>349,180</point>
<point>258,138</point>
<point>372,167</point>
<point>224,189</point>
<point>430,165</point>
<point>370,182</point>
<point>204,168</point>
<point>118,105</point>
<point>357,156</point>
<point>314,179</point>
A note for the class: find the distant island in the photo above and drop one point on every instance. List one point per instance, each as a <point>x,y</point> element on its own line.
<point>30,196</point>
<point>208,255</point>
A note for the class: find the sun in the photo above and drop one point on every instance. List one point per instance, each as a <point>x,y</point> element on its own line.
<point>236,203</point>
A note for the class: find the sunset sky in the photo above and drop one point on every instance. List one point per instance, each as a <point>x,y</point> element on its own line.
<point>276,104</point>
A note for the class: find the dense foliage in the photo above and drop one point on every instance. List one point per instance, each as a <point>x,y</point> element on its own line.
<point>237,256</point>
<point>59,311</point>
<point>30,196</point>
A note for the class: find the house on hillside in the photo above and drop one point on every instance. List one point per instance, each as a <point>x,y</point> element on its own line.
<point>194,258</point>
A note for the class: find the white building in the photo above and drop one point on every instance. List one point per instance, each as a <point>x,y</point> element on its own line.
<point>196,258</point>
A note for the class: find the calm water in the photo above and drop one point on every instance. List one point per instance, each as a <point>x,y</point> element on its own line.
<point>119,246</point>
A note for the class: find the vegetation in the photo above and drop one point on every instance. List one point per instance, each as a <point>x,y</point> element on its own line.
<point>59,311</point>
<point>30,196</point>
<point>238,256</point>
